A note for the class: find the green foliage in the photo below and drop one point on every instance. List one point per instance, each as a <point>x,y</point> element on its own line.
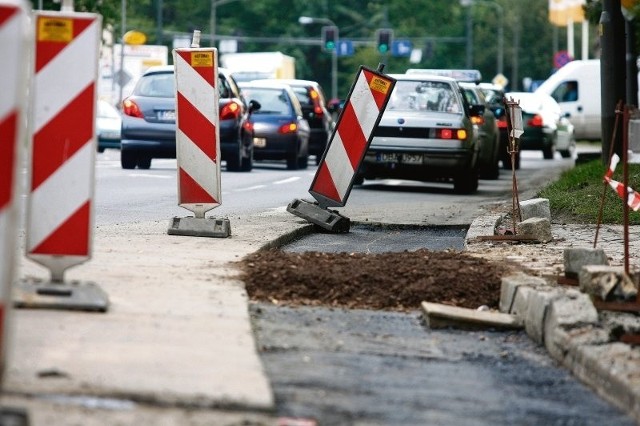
<point>577,196</point>
<point>438,27</point>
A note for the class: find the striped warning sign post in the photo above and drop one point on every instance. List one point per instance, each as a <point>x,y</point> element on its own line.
<point>14,27</point>
<point>197,136</point>
<point>59,229</point>
<point>347,147</point>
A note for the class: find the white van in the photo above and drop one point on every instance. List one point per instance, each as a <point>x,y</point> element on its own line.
<point>576,88</point>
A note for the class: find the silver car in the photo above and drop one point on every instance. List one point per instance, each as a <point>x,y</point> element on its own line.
<point>425,134</point>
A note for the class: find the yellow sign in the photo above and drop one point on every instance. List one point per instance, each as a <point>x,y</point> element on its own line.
<point>202,59</point>
<point>55,29</point>
<point>134,37</point>
<point>564,12</point>
<point>627,7</point>
<point>379,85</point>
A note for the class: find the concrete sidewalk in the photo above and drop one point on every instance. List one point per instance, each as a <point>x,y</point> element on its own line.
<point>177,334</point>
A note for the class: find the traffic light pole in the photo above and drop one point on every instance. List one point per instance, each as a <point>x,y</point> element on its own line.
<point>334,73</point>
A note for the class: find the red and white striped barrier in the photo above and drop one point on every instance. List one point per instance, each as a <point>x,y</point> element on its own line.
<point>197,133</point>
<point>633,198</point>
<point>13,50</point>
<point>351,138</point>
<point>60,204</point>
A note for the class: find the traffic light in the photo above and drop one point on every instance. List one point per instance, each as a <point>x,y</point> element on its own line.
<point>329,38</point>
<point>385,37</point>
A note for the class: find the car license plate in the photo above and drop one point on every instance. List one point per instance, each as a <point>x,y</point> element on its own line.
<point>412,158</point>
<point>259,142</point>
<point>387,157</point>
<point>166,115</point>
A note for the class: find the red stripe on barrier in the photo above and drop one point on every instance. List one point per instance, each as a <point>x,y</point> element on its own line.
<point>46,50</point>
<point>191,192</point>
<point>70,238</point>
<point>324,183</point>
<point>378,96</point>
<point>197,127</point>
<point>206,72</point>
<point>63,136</point>
<point>6,13</point>
<point>353,139</point>
<point>7,157</point>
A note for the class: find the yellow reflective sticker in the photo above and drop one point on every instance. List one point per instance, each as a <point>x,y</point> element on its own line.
<point>201,59</point>
<point>379,85</point>
<point>55,29</point>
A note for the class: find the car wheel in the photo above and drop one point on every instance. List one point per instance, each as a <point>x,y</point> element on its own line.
<point>466,183</point>
<point>568,153</point>
<point>358,179</point>
<point>128,159</point>
<point>234,162</point>
<point>303,162</point>
<point>144,162</point>
<point>492,172</point>
<point>247,162</point>
<point>292,162</point>
<point>548,152</point>
<point>506,161</point>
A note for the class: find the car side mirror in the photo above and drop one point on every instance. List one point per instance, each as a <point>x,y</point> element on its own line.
<point>254,106</point>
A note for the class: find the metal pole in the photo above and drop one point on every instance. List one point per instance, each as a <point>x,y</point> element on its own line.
<point>212,22</point>
<point>334,73</point>
<point>469,38</point>
<point>500,40</point>
<point>123,30</point>
<point>159,23</point>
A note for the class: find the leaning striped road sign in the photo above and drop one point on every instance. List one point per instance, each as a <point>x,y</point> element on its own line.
<point>60,204</point>
<point>351,138</point>
<point>197,136</point>
<point>14,21</point>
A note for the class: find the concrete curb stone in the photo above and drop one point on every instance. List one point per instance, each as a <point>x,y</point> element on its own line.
<point>563,319</point>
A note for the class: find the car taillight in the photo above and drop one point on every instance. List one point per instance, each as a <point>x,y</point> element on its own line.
<point>288,128</point>
<point>502,124</point>
<point>317,109</point>
<point>535,121</point>
<point>131,109</point>
<point>460,134</point>
<point>248,126</point>
<point>230,111</point>
<point>477,120</point>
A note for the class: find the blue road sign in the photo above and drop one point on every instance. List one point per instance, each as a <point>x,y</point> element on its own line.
<point>401,48</point>
<point>345,48</point>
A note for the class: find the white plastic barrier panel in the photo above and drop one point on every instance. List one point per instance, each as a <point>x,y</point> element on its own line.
<point>13,51</point>
<point>350,140</point>
<point>63,142</point>
<point>197,133</point>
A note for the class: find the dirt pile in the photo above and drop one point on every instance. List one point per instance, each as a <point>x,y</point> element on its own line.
<point>397,281</point>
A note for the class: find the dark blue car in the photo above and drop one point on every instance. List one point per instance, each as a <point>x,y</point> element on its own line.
<point>280,130</point>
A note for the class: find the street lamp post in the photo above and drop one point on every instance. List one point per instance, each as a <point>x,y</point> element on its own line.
<point>500,10</point>
<point>306,20</point>
<point>213,17</point>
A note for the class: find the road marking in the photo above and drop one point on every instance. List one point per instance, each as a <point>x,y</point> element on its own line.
<point>288,180</point>
<point>250,188</point>
<point>149,175</point>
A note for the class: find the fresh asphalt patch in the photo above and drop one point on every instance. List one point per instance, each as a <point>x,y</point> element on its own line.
<point>338,366</point>
<point>363,238</point>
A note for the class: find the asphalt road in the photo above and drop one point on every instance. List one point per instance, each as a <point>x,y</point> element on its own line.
<point>355,367</point>
<point>378,368</point>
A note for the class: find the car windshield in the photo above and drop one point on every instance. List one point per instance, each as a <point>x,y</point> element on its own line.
<point>272,100</point>
<point>424,96</point>
<point>160,85</point>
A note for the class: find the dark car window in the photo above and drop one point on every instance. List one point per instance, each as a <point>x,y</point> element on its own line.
<point>303,96</point>
<point>272,101</point>
<point>423,96</point>
<point>224,89</point>
<point>159,85</point>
